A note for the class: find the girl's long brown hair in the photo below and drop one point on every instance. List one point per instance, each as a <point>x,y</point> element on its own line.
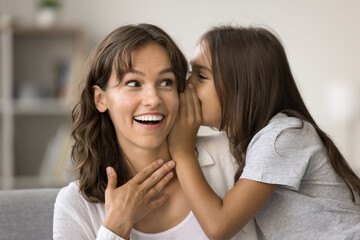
<point>254,82</point>
<point>96,145</point>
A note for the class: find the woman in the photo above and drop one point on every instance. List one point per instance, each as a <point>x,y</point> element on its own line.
<point>121,124</point>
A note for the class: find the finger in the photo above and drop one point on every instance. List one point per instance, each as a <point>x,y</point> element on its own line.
<point>182,108</point>
<point>189,103</point>
<point>197,106</point>
<point>147,171</point>
<point>158,201</point>
<point>160,185</point>
<point>158,175</point>
<point>112,178</point>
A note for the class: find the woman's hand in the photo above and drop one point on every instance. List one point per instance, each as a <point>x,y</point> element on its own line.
<point>127,204</point>
<point>182,136</point>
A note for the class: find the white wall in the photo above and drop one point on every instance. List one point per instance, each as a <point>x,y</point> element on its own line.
<point>322,38</point>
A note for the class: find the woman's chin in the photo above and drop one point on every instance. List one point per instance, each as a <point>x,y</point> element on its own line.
<point>152,143</point>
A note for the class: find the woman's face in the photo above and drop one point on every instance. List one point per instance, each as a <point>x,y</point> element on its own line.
<point>143,105</point>
<point>203,80</point>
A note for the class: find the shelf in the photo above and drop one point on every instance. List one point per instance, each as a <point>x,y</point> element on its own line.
<point>39,67</point>
<point>48,106</point>
<point>22,182</point>
<point>56,30</point>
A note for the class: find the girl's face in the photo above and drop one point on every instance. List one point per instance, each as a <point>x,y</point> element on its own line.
<point>143,105</point>
<point>203,80</point>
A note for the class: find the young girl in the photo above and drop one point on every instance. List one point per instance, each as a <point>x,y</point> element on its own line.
<point>290,175</point>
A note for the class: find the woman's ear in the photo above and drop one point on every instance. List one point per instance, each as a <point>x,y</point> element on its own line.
<point>99,99</point>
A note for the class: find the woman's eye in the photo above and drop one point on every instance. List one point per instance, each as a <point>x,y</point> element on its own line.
<point>132,83</point>
<point>167,83</point>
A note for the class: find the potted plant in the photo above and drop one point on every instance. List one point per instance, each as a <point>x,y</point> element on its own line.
<point>47,12</point>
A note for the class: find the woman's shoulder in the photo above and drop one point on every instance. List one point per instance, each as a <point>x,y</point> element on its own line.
<point>76,216</point>
<point>215,146</point>
<point>69,192</point>
<point>214,149</point>
<point>71,196</point>
<point>215,140</point>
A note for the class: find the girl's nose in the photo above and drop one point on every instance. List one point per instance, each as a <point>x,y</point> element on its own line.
<point>191,80</point>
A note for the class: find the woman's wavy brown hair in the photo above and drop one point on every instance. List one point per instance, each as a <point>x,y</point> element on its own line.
<point>254,82</point>
<point>96,145</point>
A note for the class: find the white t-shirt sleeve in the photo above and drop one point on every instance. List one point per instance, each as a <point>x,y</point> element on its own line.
<point>69,220</point>
<point>72,220</point>
<point>106,234</point>
<point>279,154</point>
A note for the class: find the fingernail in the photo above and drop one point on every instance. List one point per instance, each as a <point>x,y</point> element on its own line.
<point>171,163</point>
<point>170,174</point>
<point>108,170</point>
<point>190,85</point>
<point>160,162</point>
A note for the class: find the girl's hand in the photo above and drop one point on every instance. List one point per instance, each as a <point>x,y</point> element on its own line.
<point>127,204</point>
<point>183,134</point>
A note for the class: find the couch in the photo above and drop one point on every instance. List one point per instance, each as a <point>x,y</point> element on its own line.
<point>27,213</point>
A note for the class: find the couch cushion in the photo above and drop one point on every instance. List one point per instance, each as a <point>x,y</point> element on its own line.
<point>27,214</point>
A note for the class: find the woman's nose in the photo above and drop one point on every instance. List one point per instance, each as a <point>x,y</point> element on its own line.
<point>151,97</point>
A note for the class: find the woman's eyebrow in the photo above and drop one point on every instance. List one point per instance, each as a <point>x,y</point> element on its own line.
<point>166,70</point>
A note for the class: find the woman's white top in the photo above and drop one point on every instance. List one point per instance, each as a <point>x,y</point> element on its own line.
<point>77,219</point>
<point>189,228</point>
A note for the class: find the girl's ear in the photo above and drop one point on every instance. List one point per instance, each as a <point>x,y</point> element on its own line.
<point>99,99</point>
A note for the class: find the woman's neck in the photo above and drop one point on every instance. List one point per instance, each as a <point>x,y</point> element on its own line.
<point>138,158</point>
<point>176,208</point>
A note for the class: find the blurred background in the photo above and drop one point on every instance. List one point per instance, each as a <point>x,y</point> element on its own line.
<point>43,45</point>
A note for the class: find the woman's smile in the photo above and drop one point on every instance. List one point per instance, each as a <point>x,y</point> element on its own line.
<point>150,121</point>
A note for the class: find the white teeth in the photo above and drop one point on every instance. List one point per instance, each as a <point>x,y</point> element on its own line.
<point>149,118</point>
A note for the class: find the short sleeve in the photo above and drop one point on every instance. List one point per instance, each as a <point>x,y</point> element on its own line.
<point>280,153</point>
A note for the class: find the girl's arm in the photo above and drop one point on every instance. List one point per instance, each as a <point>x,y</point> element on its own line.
<point>219,218</point>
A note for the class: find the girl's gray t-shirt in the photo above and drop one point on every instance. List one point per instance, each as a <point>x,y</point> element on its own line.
<point>311,201</point>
